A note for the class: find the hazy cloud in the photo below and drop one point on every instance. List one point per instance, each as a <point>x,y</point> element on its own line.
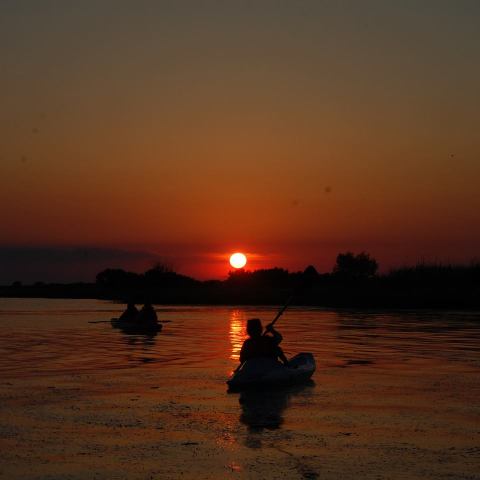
<point>64,264</point>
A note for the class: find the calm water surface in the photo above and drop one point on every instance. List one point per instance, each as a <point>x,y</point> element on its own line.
<point>395,395</point>
<point>49,337</point>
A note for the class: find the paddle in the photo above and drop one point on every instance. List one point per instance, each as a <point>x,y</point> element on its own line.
<point>308,276</point>
<point>110,321</point>
<point>280,313</point>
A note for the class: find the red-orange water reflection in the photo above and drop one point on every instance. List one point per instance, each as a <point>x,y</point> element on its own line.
<point>237,333</point>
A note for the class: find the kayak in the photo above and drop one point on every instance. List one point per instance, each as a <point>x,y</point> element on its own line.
<point>136,328</point>
<point>259,372</point>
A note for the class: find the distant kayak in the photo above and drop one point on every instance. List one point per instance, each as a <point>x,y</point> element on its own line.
<point>136,327</point>
<point>260,372</point>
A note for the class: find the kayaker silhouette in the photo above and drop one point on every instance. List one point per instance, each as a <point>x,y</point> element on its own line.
<point>134,322</point>
<point>262,346</point>
<point>147,314</point>
<point>130,314</point>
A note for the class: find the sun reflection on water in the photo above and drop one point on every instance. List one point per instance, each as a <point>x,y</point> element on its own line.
<point>237,333</point>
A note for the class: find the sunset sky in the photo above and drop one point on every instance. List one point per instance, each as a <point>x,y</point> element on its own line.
<point>133,131</point>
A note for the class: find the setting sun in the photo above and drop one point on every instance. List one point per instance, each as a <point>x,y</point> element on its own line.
<point>238,260</point>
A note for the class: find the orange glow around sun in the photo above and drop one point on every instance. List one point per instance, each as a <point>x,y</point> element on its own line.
<point>238,260</point>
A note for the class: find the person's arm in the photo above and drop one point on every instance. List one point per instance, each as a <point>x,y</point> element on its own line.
<point>282,356</point>
<point>276,336</point>
<point>243,353</point>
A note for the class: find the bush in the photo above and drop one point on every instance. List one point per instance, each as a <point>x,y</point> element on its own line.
<point>360,266</point>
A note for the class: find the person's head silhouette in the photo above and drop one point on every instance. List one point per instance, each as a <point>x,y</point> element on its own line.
<point>254,327</point>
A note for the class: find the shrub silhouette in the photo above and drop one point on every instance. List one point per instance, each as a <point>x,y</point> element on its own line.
<point>117,278</point>
<point>271,277</point>
<point>351,266</point>
<point>162,275</point>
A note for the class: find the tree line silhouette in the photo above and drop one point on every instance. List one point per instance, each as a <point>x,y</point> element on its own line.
<point>353,282</point>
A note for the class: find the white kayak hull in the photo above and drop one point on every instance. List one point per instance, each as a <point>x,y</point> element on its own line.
<point>268,372</point>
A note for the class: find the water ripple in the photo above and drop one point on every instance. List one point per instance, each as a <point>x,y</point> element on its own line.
<point>50,337</point>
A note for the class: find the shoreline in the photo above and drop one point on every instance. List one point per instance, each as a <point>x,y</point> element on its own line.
<point>444,308</point>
